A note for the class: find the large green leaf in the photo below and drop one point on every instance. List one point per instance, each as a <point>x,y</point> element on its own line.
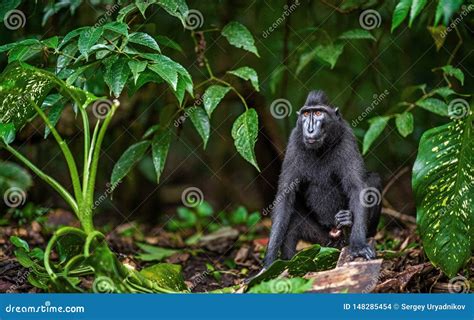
<point>201,122</point>
<point>159,149</point>
<point>166,275</point>
<point>213,96</point>
<point>128,160</point>
<point>165,68</point>
<point>328,53</point>
<point>247,73</point>
<point>314,258</point>
<point>377,125</point>
<point>239,36</point>
<point>152,253</point>
<point>357,34</point>
<point>245,132</point>
<point>13,176</point>
<point>400,13</point>
<point>443,185</point>
<point>454,72</point>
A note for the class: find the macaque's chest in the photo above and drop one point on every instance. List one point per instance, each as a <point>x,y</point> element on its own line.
<point>324,197</point>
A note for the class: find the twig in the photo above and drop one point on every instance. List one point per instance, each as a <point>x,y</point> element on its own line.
<point>395,178</point>
<point>398,215</point>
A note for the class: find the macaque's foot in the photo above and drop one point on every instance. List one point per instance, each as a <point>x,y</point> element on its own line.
<point>246,281</point>
<point>343,219</point>
<point>365,251</point>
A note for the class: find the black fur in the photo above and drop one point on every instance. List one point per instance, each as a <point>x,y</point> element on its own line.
<point>330,176</point>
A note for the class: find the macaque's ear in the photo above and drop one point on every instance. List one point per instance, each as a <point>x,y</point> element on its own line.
<point>338,114</point>
<point>297,113</point>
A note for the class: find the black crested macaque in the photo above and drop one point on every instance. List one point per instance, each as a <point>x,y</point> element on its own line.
<point>322,187</point>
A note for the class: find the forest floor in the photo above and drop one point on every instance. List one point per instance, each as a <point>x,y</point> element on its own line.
<point>222,259</point>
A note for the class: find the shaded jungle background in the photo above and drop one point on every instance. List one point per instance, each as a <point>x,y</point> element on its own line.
<point>369,78</point>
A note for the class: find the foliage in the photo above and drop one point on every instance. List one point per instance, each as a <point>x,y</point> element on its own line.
<point>443,185</point>
<point>283,285</point>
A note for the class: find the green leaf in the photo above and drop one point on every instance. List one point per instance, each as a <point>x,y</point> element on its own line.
<point>7,5</point>
<point>446,9</point>
<point>442,183</point>
<point>204,209</point>
<point>20,243</point>
<point>239,216</point>
<point>88,38</point>
<point>116,75</point>
<point>137,67</point>
<point>404,123</point>
<point>7,132</point>
<point>144,39</point>
<point>400,13</point>
<point>253,219</point>
<point>128,160</point>
<point>312,259</point>
<point>166,69</point>
<point>71,35</point>
<point>14,176</point>
<point>23,53</point>
<point>445,92</point>
<point>52,42</point>
<point>188,216</point>
<point>328,53</point>
<point>152,253</point>
<point>55,105</point>
<point>377,125</point>
<point>201,122</point>
<point>244,133</point>
<point>239,36</point>
<point>247,73</point>
<point>176,8</point>
<point>212,97</point>
<point>416,8</point>
<point>18,84</point>
<point>159,149</point>
<point>117,27</point>
<point>283,285</point>
<point>166,275</point>
<point>167,42</point>
<point>434,105</point>
<point>454,72</point>
<point>357,34</point>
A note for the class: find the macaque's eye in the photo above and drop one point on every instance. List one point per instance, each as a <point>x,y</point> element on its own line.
<point>318,113</point>
<point>306,114</point>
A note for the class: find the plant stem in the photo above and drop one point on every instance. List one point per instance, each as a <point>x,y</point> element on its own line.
<point>46,178</point>
<point>233,89</point>
<point>67,154</point>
